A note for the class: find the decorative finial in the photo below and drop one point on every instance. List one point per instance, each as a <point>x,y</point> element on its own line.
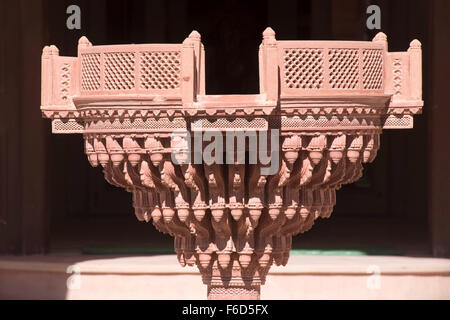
<point>54,50</point>
<point>269,33</point>
<point>46,50</point>
<point>84,42</point>
<point>50,50</point>
<point>415,44</point>
<point>194,35</point>
<point>380,37</point>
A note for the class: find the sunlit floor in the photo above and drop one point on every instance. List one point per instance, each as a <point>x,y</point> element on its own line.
<point>69,276</point>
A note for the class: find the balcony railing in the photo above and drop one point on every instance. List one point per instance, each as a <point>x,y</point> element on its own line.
<point>131,69</point>
<point>330,66</point>
<point>174,74</point>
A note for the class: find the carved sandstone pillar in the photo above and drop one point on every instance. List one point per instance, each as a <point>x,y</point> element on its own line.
<point>232,177</point>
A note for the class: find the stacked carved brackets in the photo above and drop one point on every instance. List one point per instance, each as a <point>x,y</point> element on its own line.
<point>329,101</point>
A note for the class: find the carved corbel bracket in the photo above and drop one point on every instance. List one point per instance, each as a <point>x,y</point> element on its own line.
<point>145,117</point>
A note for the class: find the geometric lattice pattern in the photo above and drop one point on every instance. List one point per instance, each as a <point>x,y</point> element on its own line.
<point>67,126</point>
<point>119,70</point>
<point>65,81</point>
<point>397,76</point>
<point>218,293</point>
<point>398,121</point>
<point>343,66</point>
<point>372,69</point>
<point>229,124</point>
<point>138,124</point>
<point>303,68</point>
<point>309,121</point>
<point>160,70</point>
<point>90,71</point>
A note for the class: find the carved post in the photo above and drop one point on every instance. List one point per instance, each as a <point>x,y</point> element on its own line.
<point>270,64</point>
<point>415,62</point>
<point>47,77</point>
<point>187,73</point>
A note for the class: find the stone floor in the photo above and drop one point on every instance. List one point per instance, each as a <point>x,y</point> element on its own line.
<point>133,275</point>
<point>160,277</point>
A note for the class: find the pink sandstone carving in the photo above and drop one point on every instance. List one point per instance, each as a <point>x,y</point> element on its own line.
<point>330,101</point>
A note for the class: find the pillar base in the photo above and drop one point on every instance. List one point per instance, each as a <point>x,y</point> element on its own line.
<point>233,293</point>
